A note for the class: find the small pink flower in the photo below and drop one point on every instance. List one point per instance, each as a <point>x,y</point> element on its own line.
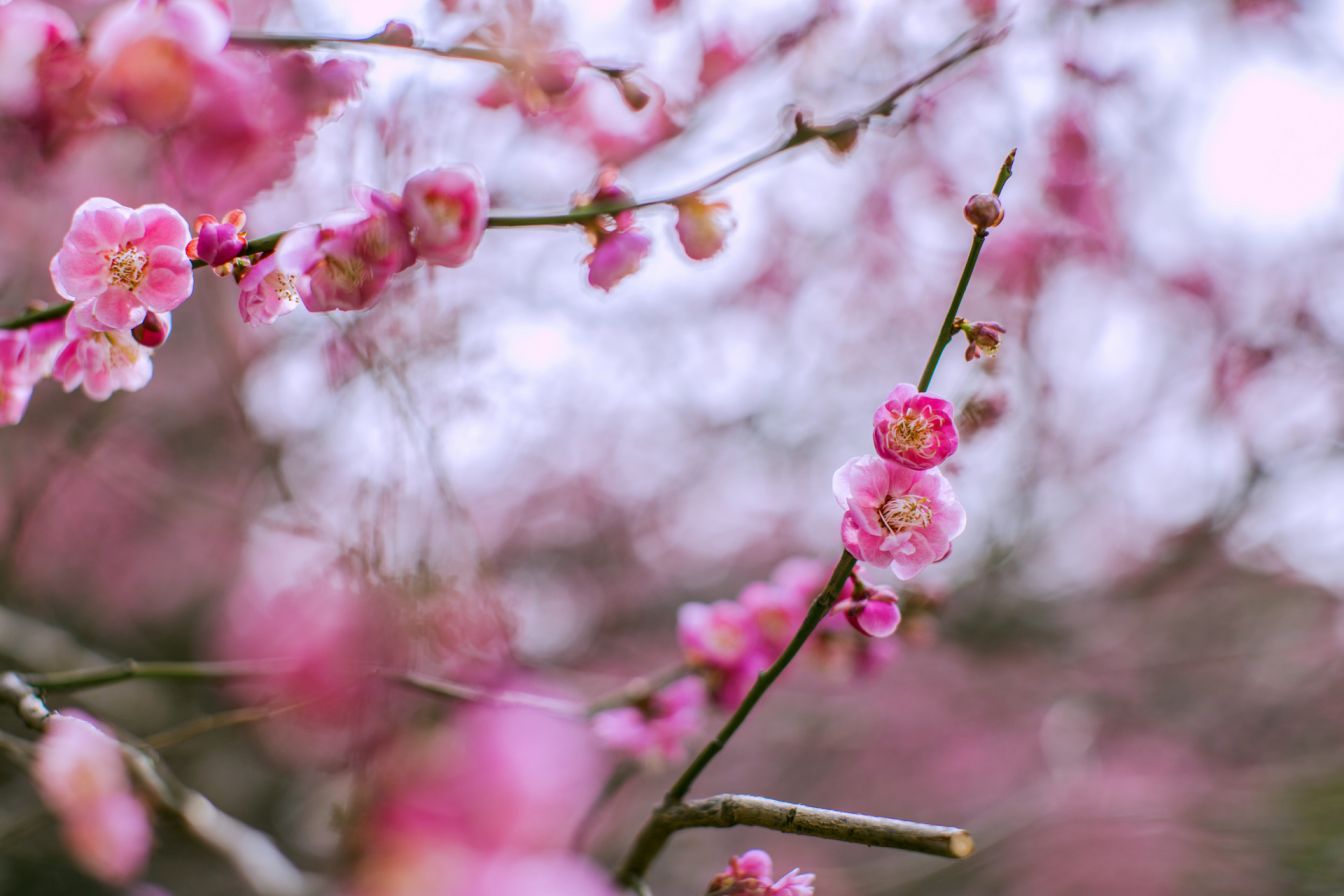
<point>750,875</point>
<point>80,775</point>
<point>876,612</point>
<point>703,227</point>
<point>895,516</point>
<point>266,293</point>
<point>102,361</point>
<point>656,731</point>
<point>616,256</point>
<point>914,429</point>
<point>219,242</point>
<point>445,209</point>
<point>775,612</point>
<point>344,264</point>
<point>982,337</point>
<point>116,263</point>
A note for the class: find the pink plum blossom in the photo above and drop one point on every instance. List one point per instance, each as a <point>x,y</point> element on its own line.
<point>702,227</point>
<point>81,776</point>
<point>723,640</point>
<point>445,209</point>
<point>895,516</point>
<point>914,429</point>
<point>26,356</point>
<point>32,35</point>
<point>616,256</point>
<point>751,874</point>
<point>344,264</point>
<point>117,263</point>
<point>655,731</point>
<point>219,242</point>
<point>102,361</point>
<point>266,293</point>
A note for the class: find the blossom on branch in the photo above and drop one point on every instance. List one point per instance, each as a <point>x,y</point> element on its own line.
<point>914,429</point>
<point>656,729</point>
<point>895,516</point>
<point>219,242</point>
<point>103,361</point>
<point>702,227</point>
<point>81,776</point>
<point>26,356</point>
<point>117,263</point>
<point>266,293</point>
<point>344,264</point>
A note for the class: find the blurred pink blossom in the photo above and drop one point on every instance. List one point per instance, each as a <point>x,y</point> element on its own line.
<point>80,774</point>
<point>914,429</point>
<point>117,262</point>
<point>445,209</point>
<point>148,55</point>
<point>102,361</point>
<point>26,356</point>
<point>875,612</point>
<point>32,36</point>
<point>656,730</point>
<point>616,256</point>
<point>895,516</point>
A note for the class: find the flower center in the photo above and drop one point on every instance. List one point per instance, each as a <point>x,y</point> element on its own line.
<point>285,286</point>
<point>906,512</point>
<point>127,267</point>
<point>911,430</point>
<point>348,270</point>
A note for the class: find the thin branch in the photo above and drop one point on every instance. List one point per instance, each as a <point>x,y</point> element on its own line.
<point>624,772</point>
<point>803,133</point>
<point>126,670</point>
<point>640,689</point>
<point>815,614</point>
<point>253,855</point>
<point>731,810</point>
<point>458,691</point>
<point>246,715</point>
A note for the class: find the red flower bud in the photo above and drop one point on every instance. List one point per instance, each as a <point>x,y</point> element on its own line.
<point>983,211</point>
<point>153,332</point>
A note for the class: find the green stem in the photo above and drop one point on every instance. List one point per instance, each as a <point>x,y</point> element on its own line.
<point>977,241</point>
<point>815,614</point>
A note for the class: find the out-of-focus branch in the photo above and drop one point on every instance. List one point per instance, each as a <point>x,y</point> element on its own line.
<point>125,670</point>
<point>255,857</point>
<point>639,689</point>
<point>731,810</point>
<point>458,691</point>
<point>803,132</point>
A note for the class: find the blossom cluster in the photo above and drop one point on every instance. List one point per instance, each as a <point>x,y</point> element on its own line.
<point>900,512</point>
<point>752,874</point>
<point>655,730</point>
<point>731,641</point>
<point>81,776</point>
<point>230,118</point>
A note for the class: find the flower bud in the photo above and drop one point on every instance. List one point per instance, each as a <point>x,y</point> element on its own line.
<point>635,96</point>
<point>153,331</point>
<point>395,34</point>
<point>841,141</point>
<point>983,211</point>
<point>219,242</point>
<point>556,73</point>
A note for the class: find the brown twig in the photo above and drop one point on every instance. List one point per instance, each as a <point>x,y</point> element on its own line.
<point>731,810</point>
<point>253,855</point>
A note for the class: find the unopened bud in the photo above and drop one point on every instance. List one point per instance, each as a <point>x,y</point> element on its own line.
<point>395,34</point>
<point>153,332</point>
<point>983,211</point>
<point>556,73</point>
<point>842,139</point>
<point>635,97</point>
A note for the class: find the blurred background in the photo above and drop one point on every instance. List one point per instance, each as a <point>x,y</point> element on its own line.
<point>1126,678</point>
